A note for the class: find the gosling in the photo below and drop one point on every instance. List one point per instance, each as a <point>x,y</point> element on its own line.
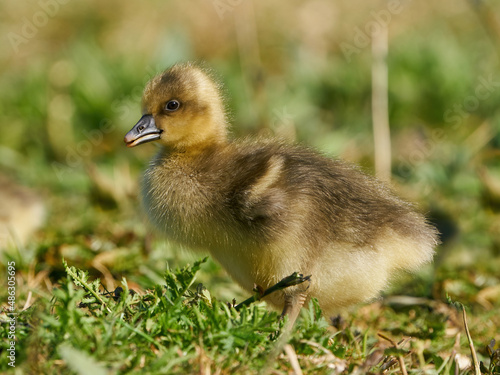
<point>265,209</point>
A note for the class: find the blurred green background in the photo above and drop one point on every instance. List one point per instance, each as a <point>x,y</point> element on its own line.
<point>73,73</point>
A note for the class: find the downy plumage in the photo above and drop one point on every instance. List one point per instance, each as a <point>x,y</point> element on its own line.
<point>265,209</point>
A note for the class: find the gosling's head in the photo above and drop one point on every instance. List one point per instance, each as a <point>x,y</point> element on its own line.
<point>182,108</point>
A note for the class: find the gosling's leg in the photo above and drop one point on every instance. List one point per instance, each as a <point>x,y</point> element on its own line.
<point>293,305</point>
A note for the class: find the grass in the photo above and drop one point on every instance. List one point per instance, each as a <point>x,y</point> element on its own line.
<point>73,90</point>
<point>178,327</point>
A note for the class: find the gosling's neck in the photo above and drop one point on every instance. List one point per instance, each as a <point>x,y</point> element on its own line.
<point>192,149</point>
<point>215,136</point>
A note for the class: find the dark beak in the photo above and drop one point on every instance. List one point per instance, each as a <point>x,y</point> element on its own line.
<point>144,131</point>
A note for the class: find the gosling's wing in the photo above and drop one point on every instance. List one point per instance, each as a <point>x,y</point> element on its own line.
<point>257,192</point>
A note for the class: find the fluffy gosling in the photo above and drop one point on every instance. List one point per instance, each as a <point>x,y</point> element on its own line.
<point>265,209</point>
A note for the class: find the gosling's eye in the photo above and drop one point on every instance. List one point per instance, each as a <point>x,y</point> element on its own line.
<point>172,105</point>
